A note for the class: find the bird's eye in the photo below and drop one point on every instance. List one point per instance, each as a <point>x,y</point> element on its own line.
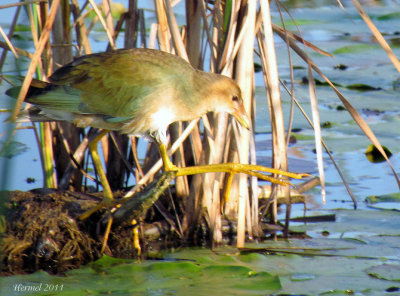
<point>235,99</point>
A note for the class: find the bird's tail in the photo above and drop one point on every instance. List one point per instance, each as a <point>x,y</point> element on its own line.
<point>36,88</point>
<point>33,113</point>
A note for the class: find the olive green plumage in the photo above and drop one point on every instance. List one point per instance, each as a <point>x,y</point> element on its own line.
<point>134,91</point>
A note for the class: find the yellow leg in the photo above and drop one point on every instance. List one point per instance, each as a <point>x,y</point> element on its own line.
<point>136,240</point>
<point>235,168</point>
<point>231,168</point>
<point>108,196</point>
<point>227,190</point>
<point>107,233</point>
<point>168,165</point>
<point>107,193</point>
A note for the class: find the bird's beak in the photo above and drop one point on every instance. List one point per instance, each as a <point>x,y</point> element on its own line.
<point>241,116</point>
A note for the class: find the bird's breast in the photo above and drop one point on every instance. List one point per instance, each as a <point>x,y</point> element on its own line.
<point>160,119</point>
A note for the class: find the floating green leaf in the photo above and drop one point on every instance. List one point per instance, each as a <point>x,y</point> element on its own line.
<point>391,197</point>
<point>373,154</point>
<point>395,42</point>
<point>320,82</point>
<point>302,277</point>
<point>389,16</point>
<point>111,276</point>
<point>362,87</point>
<point>323,83</point>
<point>22,28</point>
<point>326,124</point>
<point>390,272</point>
<point>389,201</point>
<point>341,67</point>
<point>355,48</point>
<point>302,22</point>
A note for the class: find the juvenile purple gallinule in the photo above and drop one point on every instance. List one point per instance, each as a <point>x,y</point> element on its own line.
<point>140,92</point>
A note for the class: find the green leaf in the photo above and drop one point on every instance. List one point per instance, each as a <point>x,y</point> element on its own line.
<point>394,42</point>
<point>228,270</point>
<point>261,281</point>
<point>324,83</point>
<point>326,124</point>
<point>362,87</point>
<point>389,201</point>
<point>301,22</point>
<point>356,48</point>
<point>373,154</point>
<point>391,197</point>
<point>389,16</point>
<point>390,272</point>
<point>172,268</point>
<point>22,28</point>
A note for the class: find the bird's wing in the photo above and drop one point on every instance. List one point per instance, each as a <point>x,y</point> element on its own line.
<point>122,83</point>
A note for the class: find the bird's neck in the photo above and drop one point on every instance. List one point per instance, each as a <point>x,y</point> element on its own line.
<point>205,88</point>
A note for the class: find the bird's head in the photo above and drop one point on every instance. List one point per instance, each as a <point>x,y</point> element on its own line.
<point>225,96</point>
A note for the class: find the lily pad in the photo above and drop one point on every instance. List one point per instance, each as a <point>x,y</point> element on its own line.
<point>390,272</point>
<point>22,28</point>
<point>391,206</point>
<point>391,197</point>
<point>389,201</point>
<point>341,67</point>
<point>326,124</point>
<point>320,82</point>
<point>302,277</point>
<point>374,156</point>
<point>389,16</point>
<point>394,42</point>
<point>170,277</point>
<point>362,87</point>
<point>354,48</point>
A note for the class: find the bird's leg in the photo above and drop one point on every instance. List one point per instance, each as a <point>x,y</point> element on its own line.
<point>235,168</point>
<point>107,193</point>
<point>168,165</point>
<point>136,241</point>
<point>230,168</point>
<point>227,190</point>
